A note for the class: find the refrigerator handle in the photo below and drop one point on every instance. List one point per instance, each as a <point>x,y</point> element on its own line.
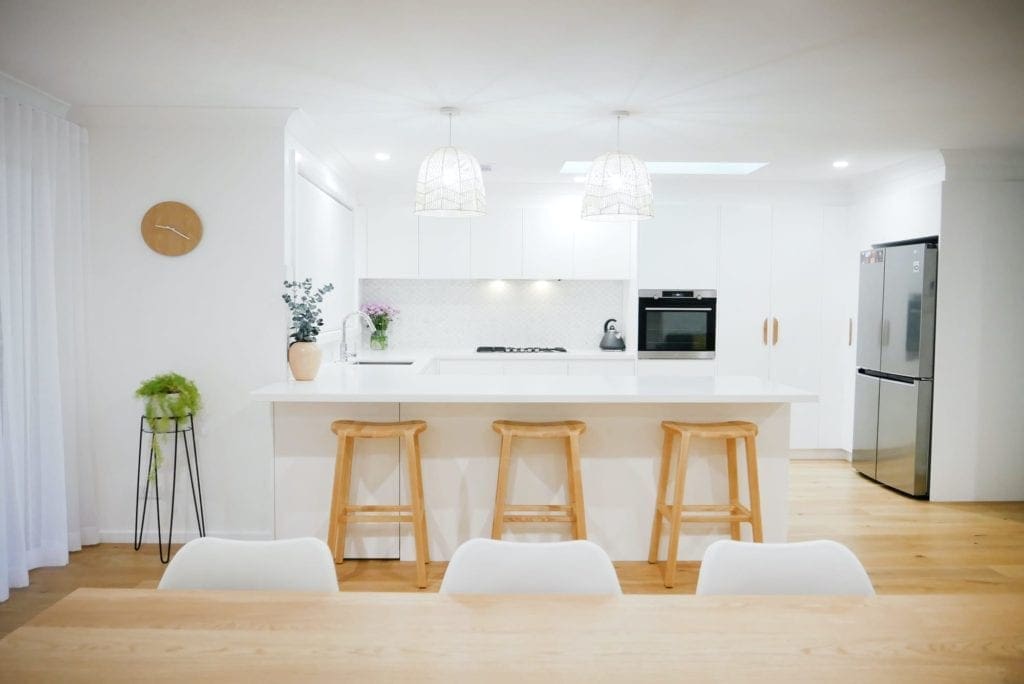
<point>885,332</point>
<point>849,333</point>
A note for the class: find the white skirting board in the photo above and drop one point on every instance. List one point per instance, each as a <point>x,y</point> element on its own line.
<point>819,455</point>
<point>181,536</point>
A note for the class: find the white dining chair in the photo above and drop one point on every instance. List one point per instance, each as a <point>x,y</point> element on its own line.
<point>490,566</point>
<point>303,564</point>
<point>811,567</point>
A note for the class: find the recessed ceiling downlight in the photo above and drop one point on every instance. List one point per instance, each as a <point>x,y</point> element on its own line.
<point>382,156</point>
<point>840,164</point>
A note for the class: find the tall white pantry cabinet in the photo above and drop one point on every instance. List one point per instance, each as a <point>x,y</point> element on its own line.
<point>784,274</point>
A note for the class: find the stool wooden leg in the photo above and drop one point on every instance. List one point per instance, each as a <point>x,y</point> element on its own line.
<point>575,486</point>
<point>755,489</point>
<point>659,502</point>
<point>412,459</point>
<point>734,486</point>
<point>419,469</point>
<point>499,496</point>
<point>339,499</point>
<point>677,510</point>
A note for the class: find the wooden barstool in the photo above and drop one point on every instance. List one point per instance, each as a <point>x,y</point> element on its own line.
<point>343,513</point>
<point>572,511</point>
<point>677,512</point>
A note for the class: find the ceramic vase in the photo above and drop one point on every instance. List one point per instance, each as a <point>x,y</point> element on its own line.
<point>304,360</point>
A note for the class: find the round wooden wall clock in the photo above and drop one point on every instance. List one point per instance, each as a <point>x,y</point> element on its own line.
<point>172,228</point>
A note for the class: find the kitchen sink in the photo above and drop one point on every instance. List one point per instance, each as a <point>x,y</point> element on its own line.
<point>382,363</point>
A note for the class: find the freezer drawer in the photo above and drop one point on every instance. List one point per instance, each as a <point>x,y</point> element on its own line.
<point>904,434</point>
<point>865,424</point>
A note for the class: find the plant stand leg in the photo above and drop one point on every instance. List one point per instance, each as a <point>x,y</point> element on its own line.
<point>194,483</point>
<point>140,523</point>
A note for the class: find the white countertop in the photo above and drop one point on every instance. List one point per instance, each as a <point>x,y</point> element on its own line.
<point>394,384</point>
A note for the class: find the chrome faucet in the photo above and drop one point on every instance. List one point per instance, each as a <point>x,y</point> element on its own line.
<point>345,356</point>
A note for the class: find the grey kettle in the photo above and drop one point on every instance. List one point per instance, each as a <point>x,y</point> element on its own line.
<point>612,340</point>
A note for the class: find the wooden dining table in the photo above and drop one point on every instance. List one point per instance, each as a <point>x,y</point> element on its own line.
<point>147,635</point>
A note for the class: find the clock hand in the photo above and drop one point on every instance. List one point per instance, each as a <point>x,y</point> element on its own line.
<point>172,229</point>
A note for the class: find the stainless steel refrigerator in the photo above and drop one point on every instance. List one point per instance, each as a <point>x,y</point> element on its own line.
<point>895,360</point>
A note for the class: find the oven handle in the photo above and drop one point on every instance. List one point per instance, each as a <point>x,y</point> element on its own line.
<point>675,308</point>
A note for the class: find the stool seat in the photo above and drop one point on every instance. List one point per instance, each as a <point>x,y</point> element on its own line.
<point>729,429</point>
<point>342,513</point>
<point>363,428</point>
<point>676,447</point>
<point>558,428</point>
<point>572,511</point>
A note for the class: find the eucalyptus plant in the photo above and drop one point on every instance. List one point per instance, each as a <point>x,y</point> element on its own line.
<point>304,303</point>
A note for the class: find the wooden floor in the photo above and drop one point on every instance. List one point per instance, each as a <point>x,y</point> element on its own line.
<point>907,546</point>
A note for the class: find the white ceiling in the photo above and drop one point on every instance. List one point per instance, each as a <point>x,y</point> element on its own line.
<point>797,83</point>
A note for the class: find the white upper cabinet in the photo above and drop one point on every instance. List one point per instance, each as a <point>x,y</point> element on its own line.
<point>544,243</point>
<point>548,236</point>
<point>678,248</point>
<point>444,247</point>
<point>601,250</point>
<point>743,335</point>
<point>392,243</point>
<point>496,244</point>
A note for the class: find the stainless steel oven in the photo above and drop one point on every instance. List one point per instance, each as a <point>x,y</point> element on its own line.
<point>677,324</point>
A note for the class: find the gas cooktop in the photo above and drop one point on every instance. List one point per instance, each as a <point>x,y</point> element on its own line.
<point>519,350</point>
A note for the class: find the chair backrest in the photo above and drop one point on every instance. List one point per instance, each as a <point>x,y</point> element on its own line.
<point>489,566</point>
<point>303,564</point>
<point>812,567</point>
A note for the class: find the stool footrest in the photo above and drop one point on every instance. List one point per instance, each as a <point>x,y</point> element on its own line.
<point>368,508</point>
<point>377,518</point>
<point>538,507</point>
<point>539,518</point>
<point>737,512</point>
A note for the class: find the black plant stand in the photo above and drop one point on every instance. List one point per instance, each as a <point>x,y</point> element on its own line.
<point>184,431</point>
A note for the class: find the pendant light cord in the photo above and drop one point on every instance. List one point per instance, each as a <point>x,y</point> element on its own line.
<point>618,136</point>
<point>450,129</point>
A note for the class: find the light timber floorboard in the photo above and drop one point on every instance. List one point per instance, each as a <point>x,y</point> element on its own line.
<point>907,546</point>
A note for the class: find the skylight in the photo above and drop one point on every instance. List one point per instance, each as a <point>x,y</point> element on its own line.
<point>680,168</point>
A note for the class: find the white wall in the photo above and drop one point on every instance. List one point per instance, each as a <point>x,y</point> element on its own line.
<point>214,315</point>
<point>978,431</point>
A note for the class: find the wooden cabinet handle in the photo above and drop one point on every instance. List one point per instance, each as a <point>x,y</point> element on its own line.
<point>775,331</point>
<point>849,334</point>
<point>764,332</point>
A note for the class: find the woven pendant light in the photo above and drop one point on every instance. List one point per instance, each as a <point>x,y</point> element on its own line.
<point>450,182</point>
<point>618,186</point>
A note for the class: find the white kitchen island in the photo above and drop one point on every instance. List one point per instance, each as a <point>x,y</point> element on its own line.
<point>620,452</point>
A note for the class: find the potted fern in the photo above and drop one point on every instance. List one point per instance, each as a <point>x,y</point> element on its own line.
<point>167,397</point>
<point>304,303</point>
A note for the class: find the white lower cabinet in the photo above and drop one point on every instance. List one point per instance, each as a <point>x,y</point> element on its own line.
<point>601,367</point>
<point>680,368</point>
<point>618,367</point>
<point>535,368</point>
<point>459,367</point>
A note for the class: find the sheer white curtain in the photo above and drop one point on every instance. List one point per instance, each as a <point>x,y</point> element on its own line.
<point>46,468</point>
